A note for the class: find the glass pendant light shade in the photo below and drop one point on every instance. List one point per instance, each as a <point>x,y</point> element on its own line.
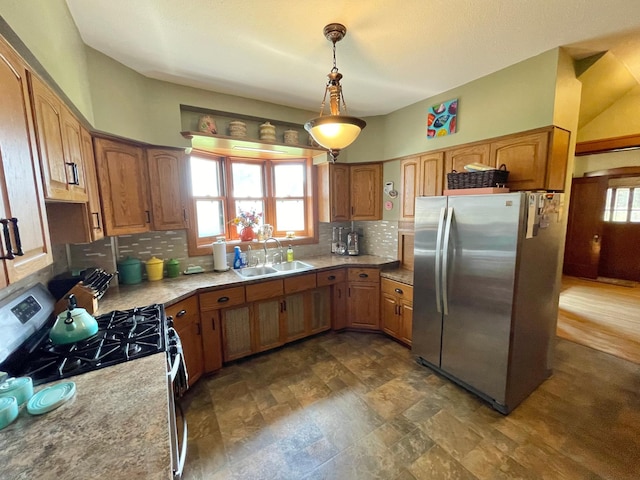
<point>335,132</point>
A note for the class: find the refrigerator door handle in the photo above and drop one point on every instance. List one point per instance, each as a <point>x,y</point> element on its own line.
<point>439,258</point>
<point>445,260</point>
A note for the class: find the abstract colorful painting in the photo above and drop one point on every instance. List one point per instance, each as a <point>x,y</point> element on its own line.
<point>442,119</point>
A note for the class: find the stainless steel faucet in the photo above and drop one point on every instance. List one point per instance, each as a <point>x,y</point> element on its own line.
<point>279,247</point>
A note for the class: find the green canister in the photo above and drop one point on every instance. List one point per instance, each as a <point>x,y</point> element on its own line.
<point>130,271</point>
<point>173,268</point>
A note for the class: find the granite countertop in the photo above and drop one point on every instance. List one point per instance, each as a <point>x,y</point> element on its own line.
<point>401,275</point>
<point>115,427</point>
<point>171,290</point>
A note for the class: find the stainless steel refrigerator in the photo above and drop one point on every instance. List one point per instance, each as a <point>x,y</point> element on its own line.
<point>486,288</point>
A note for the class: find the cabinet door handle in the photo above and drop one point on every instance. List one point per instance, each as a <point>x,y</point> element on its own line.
<point>223,299</point>
<point>285,305</point>
<point>181,313</point>
<point>16,236</point>
<point>74,173</point>
<point>184,214</point>
<point>213,323</point>
<point>97,222</point>
<point>148,214</point>
<point>281,307</point>
<point>352,210</point>
<point>331,277</point>
<point>199,332</point>
<point>339,293</point>
<point>399,290</point>
<point>7,240</point>
<point>363,275</point>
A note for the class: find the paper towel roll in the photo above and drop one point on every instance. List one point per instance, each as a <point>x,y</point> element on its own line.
<point>220,257</point>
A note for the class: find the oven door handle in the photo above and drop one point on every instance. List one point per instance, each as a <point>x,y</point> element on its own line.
<point>177,473</point>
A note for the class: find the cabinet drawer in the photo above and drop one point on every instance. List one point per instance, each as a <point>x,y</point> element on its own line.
<point>331,277</point>
<point>364,275</point>
<point>264,290</point>
<point>400,290</point>
<point>300,283</point>
<point>184,311</point>
<point>227,297</point>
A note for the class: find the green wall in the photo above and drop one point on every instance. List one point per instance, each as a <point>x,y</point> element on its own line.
<point>48,31</point>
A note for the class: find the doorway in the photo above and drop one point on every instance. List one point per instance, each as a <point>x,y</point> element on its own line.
<point>603,229</point>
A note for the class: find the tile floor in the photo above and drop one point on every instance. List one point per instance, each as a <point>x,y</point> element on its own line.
<point>357,406</point>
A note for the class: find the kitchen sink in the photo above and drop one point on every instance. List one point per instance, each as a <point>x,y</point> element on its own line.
<point>274,270</point>
<point>295,266</point>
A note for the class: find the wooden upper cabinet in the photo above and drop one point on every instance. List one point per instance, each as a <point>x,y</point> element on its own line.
<point>457,158</point>
<point>333,192</point>
<point>366,188</point>
<point>22,198</point>
<point>123,182</point>
<point>94,206</point>
<point>59,145</point>
<point>168,188</point>
<point>419,176</point>
<point>535,161</point>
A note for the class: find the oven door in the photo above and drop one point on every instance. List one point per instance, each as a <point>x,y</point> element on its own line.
<point>177,384</point>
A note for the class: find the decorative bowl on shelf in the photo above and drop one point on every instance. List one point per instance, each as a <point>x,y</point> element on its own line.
<point>237,128</point>
<point>268,132</point>
<point>207,124</point>
<point>291,137</point>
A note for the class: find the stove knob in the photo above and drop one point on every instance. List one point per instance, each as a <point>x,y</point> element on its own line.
<point>173,349</point>
<point>170,322</point>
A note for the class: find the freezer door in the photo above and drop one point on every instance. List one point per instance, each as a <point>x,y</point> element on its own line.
<point>427,299</point>
<point>479,259</point>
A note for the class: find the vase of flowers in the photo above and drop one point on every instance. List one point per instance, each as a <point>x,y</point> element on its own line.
<point>245,222</point>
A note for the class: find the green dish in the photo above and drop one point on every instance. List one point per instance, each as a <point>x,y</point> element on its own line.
<point>51,398</point>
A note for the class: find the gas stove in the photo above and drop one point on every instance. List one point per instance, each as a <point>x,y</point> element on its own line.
<point>123,335</point>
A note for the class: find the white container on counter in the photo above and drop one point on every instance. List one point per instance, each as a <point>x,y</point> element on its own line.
<point>220,255</point>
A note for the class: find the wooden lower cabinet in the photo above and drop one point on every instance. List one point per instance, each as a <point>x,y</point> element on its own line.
<point>277,312</point>
<point>266,324</point>
<point>363,304</point>
<point>339,306</point>
<point>236,333</point>
<point>397,309</point>
<point>186,321</point>
<point>213,308</point>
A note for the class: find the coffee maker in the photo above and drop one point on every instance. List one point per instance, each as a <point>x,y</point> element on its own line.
<point>353,247</point>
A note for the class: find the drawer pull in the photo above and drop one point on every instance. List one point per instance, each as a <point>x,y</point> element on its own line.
<point>399,290</point>
<point>331,277</point>
<point>181,313</point>
<point>364,275</point>
<point>223,299</point>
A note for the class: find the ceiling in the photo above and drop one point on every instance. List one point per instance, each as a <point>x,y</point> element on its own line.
<point>395,53</point>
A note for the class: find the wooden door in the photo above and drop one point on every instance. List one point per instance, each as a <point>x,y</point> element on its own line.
<point>93,204</point>
<point>526,159</point>
<point>339,186</point>
<point>457,158</point>
<point>389,314</point>
<point>296,322</point>
<point>186,320</point>
<point>122,176</point>
<point>406,321</point>
<point>167,185</point>
<point>211,340</point>
<point>584,227</point>
<point>73,156</point>
<point>366,188</point>
<point>431,174</point>
<point>236,333</point>
<point>22,197</point>
<point>321,309</point>
<point>266,324</point>
<point>409,187</point>
<point>364,305</point>
<point>339,306</point>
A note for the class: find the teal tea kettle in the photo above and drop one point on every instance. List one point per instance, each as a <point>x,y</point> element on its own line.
<point>73,325</point>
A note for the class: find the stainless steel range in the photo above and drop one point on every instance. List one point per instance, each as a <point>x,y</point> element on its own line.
<point>26,350</point>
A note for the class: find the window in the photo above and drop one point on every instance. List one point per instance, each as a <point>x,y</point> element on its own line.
<point>279,190</point>
<point>622,203</point>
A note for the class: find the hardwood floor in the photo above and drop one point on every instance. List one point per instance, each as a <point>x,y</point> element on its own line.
<point>601,316</point>
<point>358,406</point>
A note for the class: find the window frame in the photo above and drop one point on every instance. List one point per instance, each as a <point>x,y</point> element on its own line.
<point>202,246</point>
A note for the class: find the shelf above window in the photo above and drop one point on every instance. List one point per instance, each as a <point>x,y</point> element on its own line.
<point>242,147</point>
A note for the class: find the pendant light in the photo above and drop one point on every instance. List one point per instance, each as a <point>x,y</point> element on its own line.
<point>335,131</point>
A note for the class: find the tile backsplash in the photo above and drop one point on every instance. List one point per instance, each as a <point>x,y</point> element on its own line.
<point>376,238</point>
